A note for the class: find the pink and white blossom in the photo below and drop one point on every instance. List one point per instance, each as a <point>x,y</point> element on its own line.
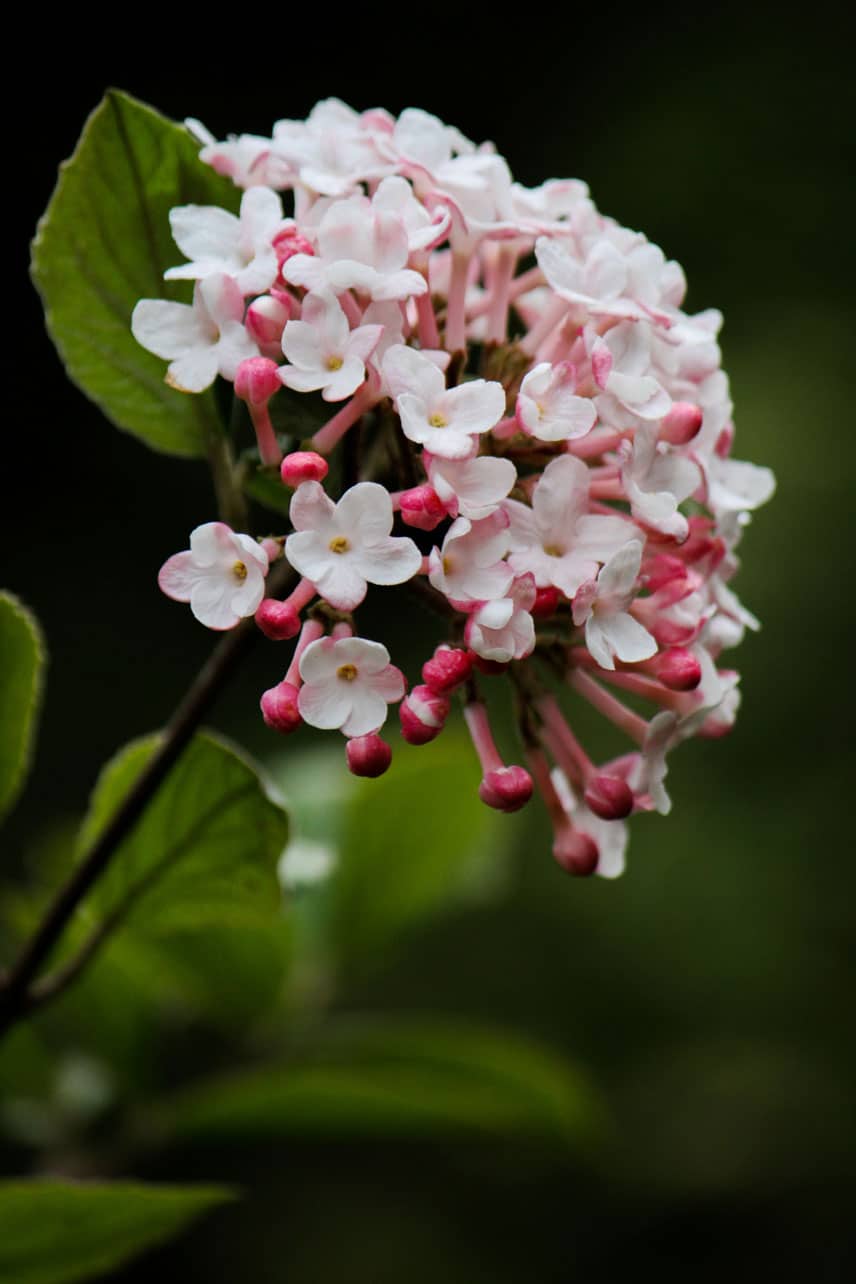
<point>216,241</point>
<point>470,567</point>
<point>324,352</point>
<point>200,340</point>
<point>503,630</point>
<point>342,548</point>
<point>221,575</point>
<point>602,605</point>
<point>548,407</point>
<point>558,539</point>
<point>445,421</point>
<point>347,685</point>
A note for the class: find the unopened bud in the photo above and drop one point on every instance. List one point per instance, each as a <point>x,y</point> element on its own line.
<point>677,668</point>
<point>277,620</point>
<point>546,601</point>
<point>265,322</point>
<point>448,667</point>
<point>257,380</point>
<point>681,423</point>
<point>301,466</point>
<point>423,714</point>
<point>290,242</point>
<point>368,755</point>
<point>506,788</point>
<point>609,797</point>
<point>576,852</point>
<point>421,507</point>
<point>279,708</point>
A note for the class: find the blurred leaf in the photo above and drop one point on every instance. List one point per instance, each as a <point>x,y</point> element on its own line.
<point>265,487</point>
<point>54,1231</point>
<point>414,841</point>
<point>23,657</point>
<point>103,244</point>
<point>390,1078</point>
<point>206,847</point>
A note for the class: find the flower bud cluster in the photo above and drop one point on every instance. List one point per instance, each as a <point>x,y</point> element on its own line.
<point>539,446</point>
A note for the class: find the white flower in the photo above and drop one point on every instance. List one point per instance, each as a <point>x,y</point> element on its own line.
<point>443,420</point>
<point>324,352</point>
<point>200,341</point>
<point>547,407</point>
<point>343,547</point>
<point>222,575</point>
<point>472,488</point>
<point>602,606</point>
<point>657,479</point>
<point>361,246</point>
<point>557,539</point>
<point>216,241</point>
<point>621,364</point>
<point>347,684</point>
<point>504,630</point>
<point>469,568</point>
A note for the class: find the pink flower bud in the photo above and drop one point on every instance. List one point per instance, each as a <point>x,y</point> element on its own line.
<point>279,708</point>
<point>609,797</point>
<point>257,380</point>
<point>576,852</point>
<point>277,620</point>
<point>447,669</point>
<point>265,322</point>
<point>421,507</point>
<point>677,668</point>
<point>290,242</point>
<point>681,423</point>
<point>301,466</point>
<point>368,755</point>
<point>506,788</point>
<point>423,714</point>
<point>546,601</point>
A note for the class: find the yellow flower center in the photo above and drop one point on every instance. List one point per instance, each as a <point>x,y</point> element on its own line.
<point>334,363</point>
<point>346,672</point>
<point>239,571</point>
<point>438,421</point>
<point>339,544</point>
<point>448,565</point>
<point>553,550</point>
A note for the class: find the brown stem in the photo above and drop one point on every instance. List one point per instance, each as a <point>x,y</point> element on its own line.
<point>17,996</point>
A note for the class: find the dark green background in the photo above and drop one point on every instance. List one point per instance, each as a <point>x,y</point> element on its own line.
<point>710,990</point>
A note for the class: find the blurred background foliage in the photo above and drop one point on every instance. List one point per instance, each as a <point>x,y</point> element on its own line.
<point>441,1057</point>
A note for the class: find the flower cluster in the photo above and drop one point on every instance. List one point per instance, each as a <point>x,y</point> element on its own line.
<point>525,404</point>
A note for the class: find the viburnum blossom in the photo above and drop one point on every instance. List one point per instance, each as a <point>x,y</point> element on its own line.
<point>222,575</point>
<point>518,385</point>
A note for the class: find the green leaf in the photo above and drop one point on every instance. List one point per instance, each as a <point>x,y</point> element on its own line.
<point>23,656</point>
<point>414,841</point>
<point>408,1079</point>
<point>206,847</point>
<point>103,244</point>
<point>54,1232</point>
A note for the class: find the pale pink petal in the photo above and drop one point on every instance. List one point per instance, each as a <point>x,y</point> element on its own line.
<point>327,705</point>
<point>367,713</point>
<point>177,576</point>
<point>311,507</point>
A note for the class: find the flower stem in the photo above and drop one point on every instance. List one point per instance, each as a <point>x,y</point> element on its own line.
<point>18,993</point>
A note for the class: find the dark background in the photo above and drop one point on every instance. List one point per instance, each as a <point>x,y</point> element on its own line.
<point>709,992</point>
